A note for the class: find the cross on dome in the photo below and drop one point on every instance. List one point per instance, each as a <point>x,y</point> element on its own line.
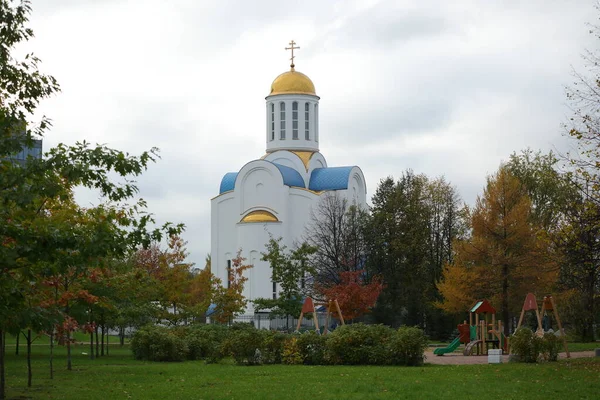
<point>292,48</point>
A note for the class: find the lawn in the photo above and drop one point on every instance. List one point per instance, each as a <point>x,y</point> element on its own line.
<point>119,376</point>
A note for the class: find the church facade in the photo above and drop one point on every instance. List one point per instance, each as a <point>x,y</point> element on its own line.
<point>274,195</point>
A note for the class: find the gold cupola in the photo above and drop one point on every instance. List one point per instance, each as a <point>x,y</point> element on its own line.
<point>292,82</point>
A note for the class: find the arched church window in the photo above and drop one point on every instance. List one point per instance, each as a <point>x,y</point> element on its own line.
<point>306,119</point>
<point>316,122</point>
<point>272,121</point>
<point>282,120</point>
<point>295,120</point>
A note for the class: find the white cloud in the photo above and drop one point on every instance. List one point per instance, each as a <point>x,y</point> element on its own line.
<point>440,87</point>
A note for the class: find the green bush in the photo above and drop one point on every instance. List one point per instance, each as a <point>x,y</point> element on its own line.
<point>526,345</point>
<point>312,348</point>
<point>359,344</point>
<point>551,346</point>
<point>272,351</point>
<point>205,342</point>
<point>407,346</point>
<point>157,343</point>
<point>245,345</point>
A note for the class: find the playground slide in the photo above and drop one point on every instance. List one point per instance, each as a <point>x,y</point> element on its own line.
<point>469,347</point>
<point>448,349</point>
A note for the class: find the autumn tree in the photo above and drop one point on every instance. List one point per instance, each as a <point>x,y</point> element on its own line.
<point>354,294</point>
<point>579,241</point>
<point>506,256</point>
<point>229,300</point>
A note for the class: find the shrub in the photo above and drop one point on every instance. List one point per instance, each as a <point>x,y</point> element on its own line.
<point>157,343</point>
<point>291,351</point>
<point>205,342</point>
<point>312,348</point>
<point>526,345</point>
<point>273,345</point>
<point>358,344</point>
<point>551,346</point>
<point>245,344</point>
<point>407,346</point>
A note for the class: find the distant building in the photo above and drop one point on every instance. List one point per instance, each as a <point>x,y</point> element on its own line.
<point>275,193</point>
<point>35,151</point>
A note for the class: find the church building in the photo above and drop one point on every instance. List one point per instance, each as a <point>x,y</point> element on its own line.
<point>274,195</point>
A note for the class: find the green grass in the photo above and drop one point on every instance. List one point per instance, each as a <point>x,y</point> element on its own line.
<point>119,376</point>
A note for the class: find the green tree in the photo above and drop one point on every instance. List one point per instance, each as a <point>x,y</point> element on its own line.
<point>410,232</point>
<point>33,237</point>
<point>289,270</point>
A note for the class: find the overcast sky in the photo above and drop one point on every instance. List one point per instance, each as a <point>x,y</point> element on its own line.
<point>442,87</point>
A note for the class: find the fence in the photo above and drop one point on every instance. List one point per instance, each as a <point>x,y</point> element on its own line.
<point>289,324</point>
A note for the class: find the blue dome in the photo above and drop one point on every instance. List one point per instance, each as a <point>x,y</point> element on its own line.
<point>228,182</point>
<point>335,178</point>
<point>291,177</point>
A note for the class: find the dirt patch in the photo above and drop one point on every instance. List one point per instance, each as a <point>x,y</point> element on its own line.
<point>459,359</point>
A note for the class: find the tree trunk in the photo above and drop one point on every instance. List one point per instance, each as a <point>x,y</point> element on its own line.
<point>107,336</point>
<point>29,375</point>
<point>91,345</point>
<point>588,330</point>
<point>52,353</point>
<point>17,346</point>
<point>102,340</point>
<point>2,375</point>
<point>69,362</point>
<point>97,344</point>
<point>505,298</point>
<point>122,336</point>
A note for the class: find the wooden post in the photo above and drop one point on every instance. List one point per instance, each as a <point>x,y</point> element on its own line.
<point>560,328</point>
<point>483,323</point>
<point>300,321</point>
<point>326,327</point>
<point>339,310</point>
<point>520,319</point>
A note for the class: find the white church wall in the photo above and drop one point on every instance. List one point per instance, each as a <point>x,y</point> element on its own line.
<point>260,186</point>
<point>316,161</point>
<point>252,238</point>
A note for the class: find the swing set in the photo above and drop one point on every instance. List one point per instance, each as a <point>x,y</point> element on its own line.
<point>309,307</point>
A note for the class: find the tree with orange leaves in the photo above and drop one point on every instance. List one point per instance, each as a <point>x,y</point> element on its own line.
<point>507,255</point>
<point>355,296</point>
<point>230,300</point>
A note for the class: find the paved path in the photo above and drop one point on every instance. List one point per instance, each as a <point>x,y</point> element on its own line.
<point>459,359</point>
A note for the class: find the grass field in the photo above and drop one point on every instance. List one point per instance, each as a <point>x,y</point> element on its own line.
<point>119,376</point>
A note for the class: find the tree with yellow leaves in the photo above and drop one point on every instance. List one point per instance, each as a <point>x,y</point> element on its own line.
<point>506,256</point>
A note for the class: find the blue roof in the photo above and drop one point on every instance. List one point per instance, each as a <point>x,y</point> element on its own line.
<point>291,177</point>
<point>335,178</point>
<point>228,182</point>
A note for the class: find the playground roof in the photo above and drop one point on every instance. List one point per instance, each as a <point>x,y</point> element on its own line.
<point>483,306</point>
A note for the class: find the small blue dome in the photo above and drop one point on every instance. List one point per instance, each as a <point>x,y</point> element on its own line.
<point>228,182</point>
<point>334,178</point>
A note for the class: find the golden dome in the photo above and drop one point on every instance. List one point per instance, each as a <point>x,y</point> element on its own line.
<point>292,82</point>
<point>259,216</point>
